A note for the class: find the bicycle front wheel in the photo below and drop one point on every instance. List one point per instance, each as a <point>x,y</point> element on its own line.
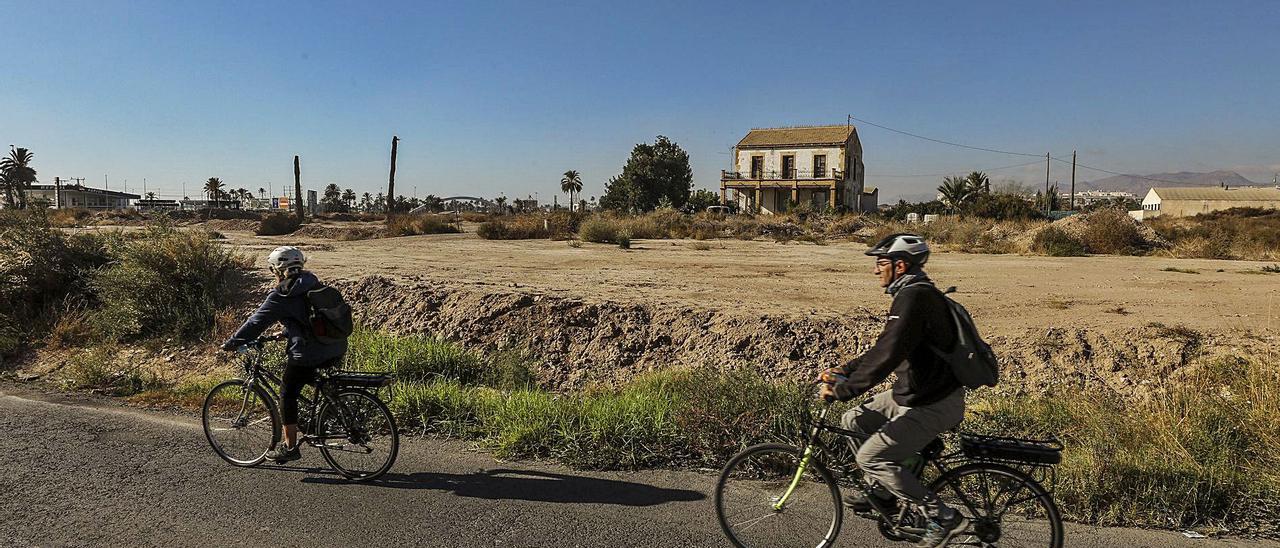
<point>358,436</point>
<point>240,422</point>
<point>765,499</point>
<point>1005,507</point>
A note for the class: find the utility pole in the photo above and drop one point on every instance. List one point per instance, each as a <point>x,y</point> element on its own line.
<point>297,187</point>
<point>1046,184</point>
<point>1073,180</point>
<point>57,193</point>
<point>391,179</point>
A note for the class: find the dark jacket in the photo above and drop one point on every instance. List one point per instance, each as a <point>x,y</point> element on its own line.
<point>287,304</point>
<point>917,318</point>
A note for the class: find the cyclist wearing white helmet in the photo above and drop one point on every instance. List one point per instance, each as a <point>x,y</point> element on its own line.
<point>926,399</point>
<point>287,305</point>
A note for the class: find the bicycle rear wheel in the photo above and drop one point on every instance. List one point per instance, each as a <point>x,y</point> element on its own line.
<point>750,503</point>
<point>241,423</point>
<point>1005,507</point>
<point>362,445</point>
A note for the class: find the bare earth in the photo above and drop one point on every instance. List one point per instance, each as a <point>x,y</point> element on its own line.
<point>1008,293</point>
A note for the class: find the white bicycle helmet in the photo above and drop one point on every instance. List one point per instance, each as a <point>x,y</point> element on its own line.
<point>902,247</point>
<point>284,259</point>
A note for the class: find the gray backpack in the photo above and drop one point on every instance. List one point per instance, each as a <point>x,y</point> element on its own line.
<point>972,361</point>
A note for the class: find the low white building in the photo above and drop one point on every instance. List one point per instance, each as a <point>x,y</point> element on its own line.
<point>1188,201</point>
<point>80,196</point>
<point>777,167</point>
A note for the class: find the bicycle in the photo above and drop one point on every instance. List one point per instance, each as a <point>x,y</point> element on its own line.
<point>355,431</point>
<point>777,494</point>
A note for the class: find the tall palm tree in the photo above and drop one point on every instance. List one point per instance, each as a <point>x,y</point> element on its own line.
<point>956,192</point>
<point>213,188</point>
<point>261,191</point>
<point>572,184</point>
<point>18,176</point>
<point>979,182</point>
<point>349,197</point>
<point>151,196</point>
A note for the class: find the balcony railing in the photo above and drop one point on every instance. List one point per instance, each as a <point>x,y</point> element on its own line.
<point>778,175</point>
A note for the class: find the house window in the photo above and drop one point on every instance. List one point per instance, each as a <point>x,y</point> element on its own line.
<point>789,166</point>
<point>819,166</point>
<point>757,167</point>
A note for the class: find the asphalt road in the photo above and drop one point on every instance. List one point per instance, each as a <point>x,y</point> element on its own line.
<point>79,471</point>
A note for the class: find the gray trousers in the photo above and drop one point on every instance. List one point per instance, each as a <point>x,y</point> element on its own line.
<point>897,433</point>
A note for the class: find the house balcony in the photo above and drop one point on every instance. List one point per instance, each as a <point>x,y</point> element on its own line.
<point>778,177</point>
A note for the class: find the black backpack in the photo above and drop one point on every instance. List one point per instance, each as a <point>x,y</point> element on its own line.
<point>331,320</point>
<point>971,359</point>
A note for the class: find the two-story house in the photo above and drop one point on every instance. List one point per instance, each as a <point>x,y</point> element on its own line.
<point>776,167</point>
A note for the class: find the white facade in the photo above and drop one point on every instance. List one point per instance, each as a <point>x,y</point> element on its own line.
<point>819,165</point>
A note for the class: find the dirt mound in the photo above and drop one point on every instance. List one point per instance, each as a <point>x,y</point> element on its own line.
<point>244,225</point>
<point>580,343</point>
<point>1079,228</point>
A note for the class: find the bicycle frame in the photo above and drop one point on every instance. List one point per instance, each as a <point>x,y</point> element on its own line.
<point>272,382</point>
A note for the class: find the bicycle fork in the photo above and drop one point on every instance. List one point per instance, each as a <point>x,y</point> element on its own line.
<point>804,463</point>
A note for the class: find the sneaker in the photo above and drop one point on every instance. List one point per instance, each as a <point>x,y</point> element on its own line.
<point>940,531</point>
<point>859,503</point>
<point>283,453</point>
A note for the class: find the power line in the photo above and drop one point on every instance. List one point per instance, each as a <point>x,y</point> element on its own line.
<point>917,136</point>
<point>1130,174</point>
<point>1036,162</point>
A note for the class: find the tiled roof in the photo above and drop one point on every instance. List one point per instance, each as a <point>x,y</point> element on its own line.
<point>797,136</point>
<point>1214,193</point>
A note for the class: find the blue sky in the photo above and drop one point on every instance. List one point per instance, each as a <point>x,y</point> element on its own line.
<point>501,98</point>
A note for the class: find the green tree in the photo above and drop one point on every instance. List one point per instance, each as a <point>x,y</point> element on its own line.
<point>979,182</point>
<point>349,198</point>
<point>700,200</point>
<point>956,193</point>
<point>571,183</point>
<point>366,202</point>
<point>652,171</point>
<point>332,200</point>
<point>213,188</point>
<point>17,175</point>
<point>151,196</point>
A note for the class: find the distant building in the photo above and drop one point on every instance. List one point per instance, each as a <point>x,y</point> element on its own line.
<point>819,165</point>
<point>1187,201</point>
<point>152,204</point>
<point>1090,197</point>
<point>81,196</point>
<point>209,204</point>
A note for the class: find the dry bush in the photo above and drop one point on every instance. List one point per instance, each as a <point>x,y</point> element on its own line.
<point>1238,233</point>
<point>278,224</point>
<point>70,217</point>
<point>475,216</point>
<point>514,227</point>
<point>413,225</point>
<point>1112,232</point>
<point>1055,242</point>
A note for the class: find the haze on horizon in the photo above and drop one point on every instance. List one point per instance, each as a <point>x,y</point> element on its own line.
<point>502,98</point>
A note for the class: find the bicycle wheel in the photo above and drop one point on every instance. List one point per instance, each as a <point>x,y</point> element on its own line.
<point>750,506</point>
<point>1006,507</point>
<point>364,445</point>
<point>240,423</point>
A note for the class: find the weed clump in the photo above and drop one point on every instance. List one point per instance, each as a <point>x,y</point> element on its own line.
<point>412,225</point>
<point>1055,242</point>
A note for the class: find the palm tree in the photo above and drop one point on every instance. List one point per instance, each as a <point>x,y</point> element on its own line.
<point>979,182</point>
<point>213,188</point>
<point>349,197</point>
<point>502,203</point>
<point>151,196</point>
<point>261,191</point>
<point>18,176</point>
<point>366,202</point>
<point>572,184</point>
<point>955,192</point>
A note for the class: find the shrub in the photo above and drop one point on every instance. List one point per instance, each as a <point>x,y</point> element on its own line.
<point>624,239</point>
<point>1237,233</point>
<point>515,227</point>
<point>1003,207</point>
<point>411,225</point>
<point>1112,232</point>
<point>1055,242</point>
<point>166,282</point>
<point>278,224</point>
<point>600,229</point>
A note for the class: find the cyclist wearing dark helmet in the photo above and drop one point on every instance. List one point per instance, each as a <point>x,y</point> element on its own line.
<point>287,305</point>
<point>926,399</point>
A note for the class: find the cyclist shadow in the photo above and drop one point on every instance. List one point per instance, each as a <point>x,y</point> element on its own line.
<point>531,485</point>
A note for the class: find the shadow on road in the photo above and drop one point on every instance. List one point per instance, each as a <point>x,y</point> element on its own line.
<point>534,486</point>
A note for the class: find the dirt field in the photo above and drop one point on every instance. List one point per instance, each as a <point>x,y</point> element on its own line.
<point>598,313</point>
<point>1005,292</point>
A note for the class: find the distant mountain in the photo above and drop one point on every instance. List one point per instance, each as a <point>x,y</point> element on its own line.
<point>1139,186</point>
